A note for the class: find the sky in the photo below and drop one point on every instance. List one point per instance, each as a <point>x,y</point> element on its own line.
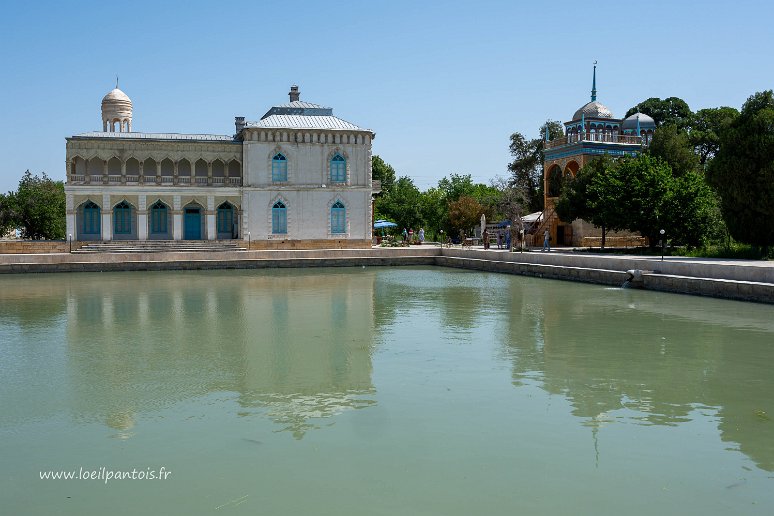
<point>443,84</point>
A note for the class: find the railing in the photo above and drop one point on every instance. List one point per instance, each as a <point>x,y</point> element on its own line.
<point>594,137</point>
<point>157,180</point>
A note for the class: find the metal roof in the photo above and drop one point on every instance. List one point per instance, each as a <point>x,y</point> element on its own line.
<point>304,122</point>
<point>301,104</point>
<point>157,136</point>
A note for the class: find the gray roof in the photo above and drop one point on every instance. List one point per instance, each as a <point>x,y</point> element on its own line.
<point>646,122</point>
<point>157,136</point>
<point>304,122</point>
<point>301,104</point>
<point>593,109</point>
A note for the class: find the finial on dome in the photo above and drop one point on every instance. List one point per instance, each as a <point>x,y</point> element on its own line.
<point>116,81</point>
<point>594,84</point>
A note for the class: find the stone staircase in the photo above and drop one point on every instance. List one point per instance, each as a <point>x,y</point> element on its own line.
<point>161,246</point>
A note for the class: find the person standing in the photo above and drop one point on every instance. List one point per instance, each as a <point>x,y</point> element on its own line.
<point>421,236</point>
<point>485,236</point>
<point>405,234</point>
<point>546,240</point>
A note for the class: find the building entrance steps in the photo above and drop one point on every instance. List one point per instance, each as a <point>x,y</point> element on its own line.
<point>161,246</point>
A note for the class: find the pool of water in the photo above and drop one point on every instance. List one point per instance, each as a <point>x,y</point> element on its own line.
<point>405,390</point>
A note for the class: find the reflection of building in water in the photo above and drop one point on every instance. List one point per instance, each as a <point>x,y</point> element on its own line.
<point>311,356</point>
<point>298,343</point>
<point>669,366</point>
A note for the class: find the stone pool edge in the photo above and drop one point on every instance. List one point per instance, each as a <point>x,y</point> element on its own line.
<point>730,280</point>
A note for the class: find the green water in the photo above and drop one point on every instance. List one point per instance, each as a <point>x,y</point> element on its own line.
<point>381,391</point>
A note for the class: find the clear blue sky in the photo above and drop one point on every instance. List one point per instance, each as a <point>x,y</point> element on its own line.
<point>443,84</point>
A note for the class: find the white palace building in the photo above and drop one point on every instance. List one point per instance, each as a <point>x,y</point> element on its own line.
<point>298,177</point>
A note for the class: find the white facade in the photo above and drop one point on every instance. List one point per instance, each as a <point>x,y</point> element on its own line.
<point>298,174</point>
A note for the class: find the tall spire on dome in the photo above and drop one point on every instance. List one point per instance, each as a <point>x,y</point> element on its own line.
<point>594,84</point>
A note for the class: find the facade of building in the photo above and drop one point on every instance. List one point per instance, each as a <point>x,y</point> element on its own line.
<point>298,176</point>
<point>592,132</point>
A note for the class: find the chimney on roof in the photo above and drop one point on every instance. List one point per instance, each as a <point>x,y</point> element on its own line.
<point>294,94</point>
<point>239,122</point>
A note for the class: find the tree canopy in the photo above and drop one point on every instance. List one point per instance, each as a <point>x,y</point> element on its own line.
<point>671,110</point>
<point>743,172</point>
<point>706,127</point>
<point>37,208</point>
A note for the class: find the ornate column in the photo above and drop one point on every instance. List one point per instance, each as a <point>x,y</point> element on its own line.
<point>123,171</point>
<point>71,218</point>
<point>107,218</point>
<point>141,176</point>
<point>211,229</point>
<point>209,173</point>
<point>142,218</point>
<point>177,219</point>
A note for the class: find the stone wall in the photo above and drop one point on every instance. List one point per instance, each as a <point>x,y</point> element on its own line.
<point>35,246</point>
<point>259,245</point>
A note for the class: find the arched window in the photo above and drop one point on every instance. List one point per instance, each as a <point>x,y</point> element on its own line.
<point>554,181</point>
<point>91,219</point>
<point>225,218</point>
<point>122,218</point>
<point>338,169</point>
<point>279,168</point>
<point>158,218</point>
<point>279,219</point>
<point>338,218</point>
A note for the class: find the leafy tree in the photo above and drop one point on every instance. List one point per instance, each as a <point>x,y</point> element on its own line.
<point>37,207</point>
<point>6,215</point>
<point>706,128</point>
<point>402,204</point>
<point>456,185</point>
<point>513,203</point>
<point>435,211</point>
<point>640,187</point>
<point>465,213</point>
<point>527,166</point>
<point>592,195</point>
<point>671,110</point>
<point>742,172</point>
<point>382,171</point>
<point>691,212</point>
<point>674,146</point>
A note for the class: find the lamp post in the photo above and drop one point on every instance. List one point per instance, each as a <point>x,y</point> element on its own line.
<point>510,242</point>
<point>663,242</point>
<point>70,238</point>
<point>248,240</point>
<point>441,239</point>
<point>521,239</point>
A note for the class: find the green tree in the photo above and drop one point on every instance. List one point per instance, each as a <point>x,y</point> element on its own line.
<point>402,204</point>
<point>742,172</point>
<point>706,128</point>
<point>593,195</point>
<point>673,146</point>
<point>465,213</point>
<point>527,166</point>
<point>6,215</point>
<point>640,187</point>
<point>671,110</point>
<point>382,171</point>
<point>37,208</point>
<point>435,211</point>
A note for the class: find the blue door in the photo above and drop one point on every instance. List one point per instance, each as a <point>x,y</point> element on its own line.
<point>193,224</point>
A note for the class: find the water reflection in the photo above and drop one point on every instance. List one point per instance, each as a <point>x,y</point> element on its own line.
<point>648,358</point>
<point>297,346</point>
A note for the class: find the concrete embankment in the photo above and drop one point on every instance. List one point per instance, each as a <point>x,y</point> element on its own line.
<point>743,280</point>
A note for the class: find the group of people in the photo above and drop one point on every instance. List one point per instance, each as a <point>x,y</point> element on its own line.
<point>503,239</point>
<point>408,235</point>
